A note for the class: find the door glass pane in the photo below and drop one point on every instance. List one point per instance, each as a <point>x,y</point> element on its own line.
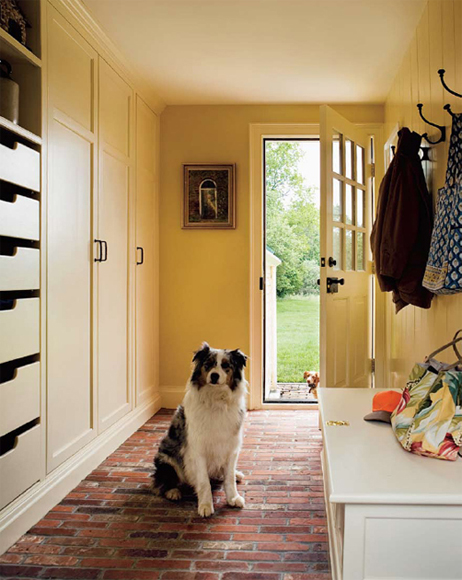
<point>360,165</point>
<point>360,236</point>
<point>349,249</point>
<point>360,208</point>
<point>349,212</point>
<point>337,247</point>
<point>337,152</point>
<point>337,201</point>
<point>349,158</point>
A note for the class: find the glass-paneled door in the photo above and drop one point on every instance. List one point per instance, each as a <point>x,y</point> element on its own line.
<point>346,288</point>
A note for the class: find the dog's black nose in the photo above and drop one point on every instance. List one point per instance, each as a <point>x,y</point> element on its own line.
<point>214,377</point>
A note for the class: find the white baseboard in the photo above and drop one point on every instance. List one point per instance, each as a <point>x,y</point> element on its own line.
<point>172,396</point>
<point>31,506</point>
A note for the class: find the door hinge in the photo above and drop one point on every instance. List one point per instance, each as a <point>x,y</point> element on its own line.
<point>372,169</point>
<point>261,283</point>
<point>372,365</point>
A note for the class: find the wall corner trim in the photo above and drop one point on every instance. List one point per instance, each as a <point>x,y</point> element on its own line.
<point>172,396</point>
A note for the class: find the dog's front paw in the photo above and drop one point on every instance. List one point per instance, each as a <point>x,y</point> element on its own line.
<point>239,476</point>
<point>173,494</point>
<point>205,510</point>
<point>237,501</point>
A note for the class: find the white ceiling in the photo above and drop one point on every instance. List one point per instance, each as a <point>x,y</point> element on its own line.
<point>262,51</point>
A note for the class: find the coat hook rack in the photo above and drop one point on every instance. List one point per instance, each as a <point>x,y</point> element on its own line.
<point>425,152</point>
<point>441,73</point>
<point>440,127</point>
<point>448,109</point>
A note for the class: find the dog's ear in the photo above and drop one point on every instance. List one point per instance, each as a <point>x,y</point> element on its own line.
<point>306,374</point>
<point>238,358</point>
<point>199,358</point>
<point>202,353</point>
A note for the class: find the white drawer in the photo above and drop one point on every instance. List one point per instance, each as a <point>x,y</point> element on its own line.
<point>20,398</point>
<point>20,218</point>
<point>21,166</point>
<point>19,330</point>
<point>21,271</point>
<point>20,467</point>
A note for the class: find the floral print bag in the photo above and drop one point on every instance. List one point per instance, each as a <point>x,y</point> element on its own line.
<point>428,419</point>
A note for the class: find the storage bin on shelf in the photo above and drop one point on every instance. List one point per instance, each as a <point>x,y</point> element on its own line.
<point>21,394</point>
<point>20,165</point>
<point>21,271</point>
<point>19,334</point>
<point>20,466</point>
<point>20,218</point>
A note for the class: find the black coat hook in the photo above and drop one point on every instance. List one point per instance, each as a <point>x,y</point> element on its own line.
<point>441,73</point>
<point>425,152</point>
<point>449,110</point>
<point>440,127</point>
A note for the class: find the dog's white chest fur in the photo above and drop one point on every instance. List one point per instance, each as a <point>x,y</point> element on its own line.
<point>214,420</point>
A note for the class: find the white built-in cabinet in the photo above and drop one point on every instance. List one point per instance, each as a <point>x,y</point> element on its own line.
<point>147,246</point>
<point>71,271</point>
<point>115,260</point>
<point>102,200</point>
<point>84,317</point>
<point>22,425</point>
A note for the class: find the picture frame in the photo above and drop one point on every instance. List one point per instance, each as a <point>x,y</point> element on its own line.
<point>209,199</point>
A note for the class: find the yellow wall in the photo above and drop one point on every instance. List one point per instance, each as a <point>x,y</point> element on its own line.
<point>437,44</point>
<point>204,275</point>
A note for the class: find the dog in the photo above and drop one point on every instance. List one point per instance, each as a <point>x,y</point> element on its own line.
<point>312,380</point>
<point>205,434</point>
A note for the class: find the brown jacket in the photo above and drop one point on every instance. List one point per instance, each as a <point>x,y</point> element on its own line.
<point>401,235</point>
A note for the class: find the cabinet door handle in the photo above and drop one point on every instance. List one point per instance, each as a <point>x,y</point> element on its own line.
<point>99,258</point>
<point>105,250</point>
<point>142,256</point>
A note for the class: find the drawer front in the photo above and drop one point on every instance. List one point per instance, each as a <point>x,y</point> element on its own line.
<point>20,218</point>
<point>21,166</point>
<point>19,330</point>
<point>20,467</point>
<point>20,398</point>
<point>20,271</point>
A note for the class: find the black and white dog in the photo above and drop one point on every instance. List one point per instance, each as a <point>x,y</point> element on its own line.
<point>205,435</point>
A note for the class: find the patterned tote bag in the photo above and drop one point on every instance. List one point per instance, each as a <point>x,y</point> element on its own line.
<point>428,419</point>
<point>443,274</point>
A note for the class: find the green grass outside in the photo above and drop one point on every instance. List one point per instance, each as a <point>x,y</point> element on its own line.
<point>298,337</point>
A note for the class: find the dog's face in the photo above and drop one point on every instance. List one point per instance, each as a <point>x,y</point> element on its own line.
<point>221,368</point>
<point>312,378</point>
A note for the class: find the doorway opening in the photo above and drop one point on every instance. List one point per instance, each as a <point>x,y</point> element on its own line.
<point>291,250</point>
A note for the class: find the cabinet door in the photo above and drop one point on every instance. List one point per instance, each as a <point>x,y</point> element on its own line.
<point>71,135</point>
<point>115,123</point>
<point>147,269</point>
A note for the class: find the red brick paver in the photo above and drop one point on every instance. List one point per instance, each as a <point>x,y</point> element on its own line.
<point>111,527</point>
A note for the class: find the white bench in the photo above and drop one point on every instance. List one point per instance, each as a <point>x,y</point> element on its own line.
<point>391,514</point>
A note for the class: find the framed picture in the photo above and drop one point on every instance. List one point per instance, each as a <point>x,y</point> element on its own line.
<point>209,196</point>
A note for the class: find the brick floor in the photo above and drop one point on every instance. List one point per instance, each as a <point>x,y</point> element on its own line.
<point>111,527</point>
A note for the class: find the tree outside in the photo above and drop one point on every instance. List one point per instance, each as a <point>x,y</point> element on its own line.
<point>292,233</point>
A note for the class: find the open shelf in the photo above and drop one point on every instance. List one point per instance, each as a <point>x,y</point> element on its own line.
<point>17,130</point>
<point>16,53</point>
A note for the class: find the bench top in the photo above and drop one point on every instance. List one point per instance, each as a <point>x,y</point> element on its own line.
<point>367,465</point>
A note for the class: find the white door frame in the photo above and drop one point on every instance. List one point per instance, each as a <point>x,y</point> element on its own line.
<point>259,132</point>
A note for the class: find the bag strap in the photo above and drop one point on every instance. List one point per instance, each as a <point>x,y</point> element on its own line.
<point>457,338</point>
